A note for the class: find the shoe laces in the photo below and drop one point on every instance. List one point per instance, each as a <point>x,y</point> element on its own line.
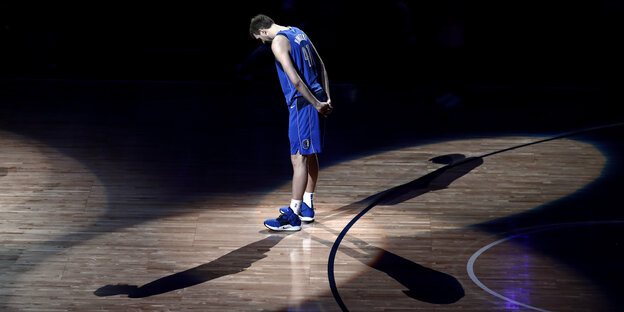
<point>285,217</point>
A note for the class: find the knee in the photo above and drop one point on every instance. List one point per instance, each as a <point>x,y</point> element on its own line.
<point>299,161</point>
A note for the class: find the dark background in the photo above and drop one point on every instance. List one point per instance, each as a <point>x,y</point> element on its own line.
<point>432,43</point>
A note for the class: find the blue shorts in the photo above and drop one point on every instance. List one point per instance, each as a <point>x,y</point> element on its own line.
<point>304,129</point>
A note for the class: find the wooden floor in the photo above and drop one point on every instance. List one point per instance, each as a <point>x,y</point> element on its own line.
<point>115,199</point>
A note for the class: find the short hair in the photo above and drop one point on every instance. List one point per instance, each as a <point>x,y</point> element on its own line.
<point>258,22</point>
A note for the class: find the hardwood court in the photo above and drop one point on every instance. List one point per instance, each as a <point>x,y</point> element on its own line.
<point>467,224</point>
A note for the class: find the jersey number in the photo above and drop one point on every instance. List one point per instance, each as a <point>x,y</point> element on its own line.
<point>307,55</point>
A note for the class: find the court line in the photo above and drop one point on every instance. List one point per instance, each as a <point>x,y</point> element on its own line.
<point>332,254</point>
<point>473,258</point>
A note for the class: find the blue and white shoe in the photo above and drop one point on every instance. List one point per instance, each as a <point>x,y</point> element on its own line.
<point>287,221</point>
<point>306,214</point>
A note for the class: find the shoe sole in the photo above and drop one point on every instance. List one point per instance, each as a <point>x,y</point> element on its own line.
<point>291,228</point>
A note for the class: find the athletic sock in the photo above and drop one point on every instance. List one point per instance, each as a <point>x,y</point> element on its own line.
<point>307,198</point>
<point>295,205</point>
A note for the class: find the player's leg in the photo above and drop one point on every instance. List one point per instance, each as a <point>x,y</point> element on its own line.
<point>313,169</point>
<point>313,172</point>
<point>291,216</point>
<point>300,176</point>
<point>289,219</point>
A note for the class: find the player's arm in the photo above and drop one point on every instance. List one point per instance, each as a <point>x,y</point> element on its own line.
<point>323,74</point>
<point>281,49</point>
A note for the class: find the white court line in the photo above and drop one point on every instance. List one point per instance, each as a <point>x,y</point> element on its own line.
<point>473,258</point>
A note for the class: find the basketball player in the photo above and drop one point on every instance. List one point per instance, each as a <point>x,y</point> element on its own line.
<point>304,82</point>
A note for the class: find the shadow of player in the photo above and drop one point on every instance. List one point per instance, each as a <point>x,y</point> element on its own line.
<point>230,263</point>
<point>422,283</point>
<point>457,165</point>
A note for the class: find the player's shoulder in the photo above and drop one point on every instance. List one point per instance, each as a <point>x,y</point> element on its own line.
<point>280,37</point>
<point>280,42</point>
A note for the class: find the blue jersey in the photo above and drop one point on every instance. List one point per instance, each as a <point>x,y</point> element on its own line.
<point>305,60</point>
